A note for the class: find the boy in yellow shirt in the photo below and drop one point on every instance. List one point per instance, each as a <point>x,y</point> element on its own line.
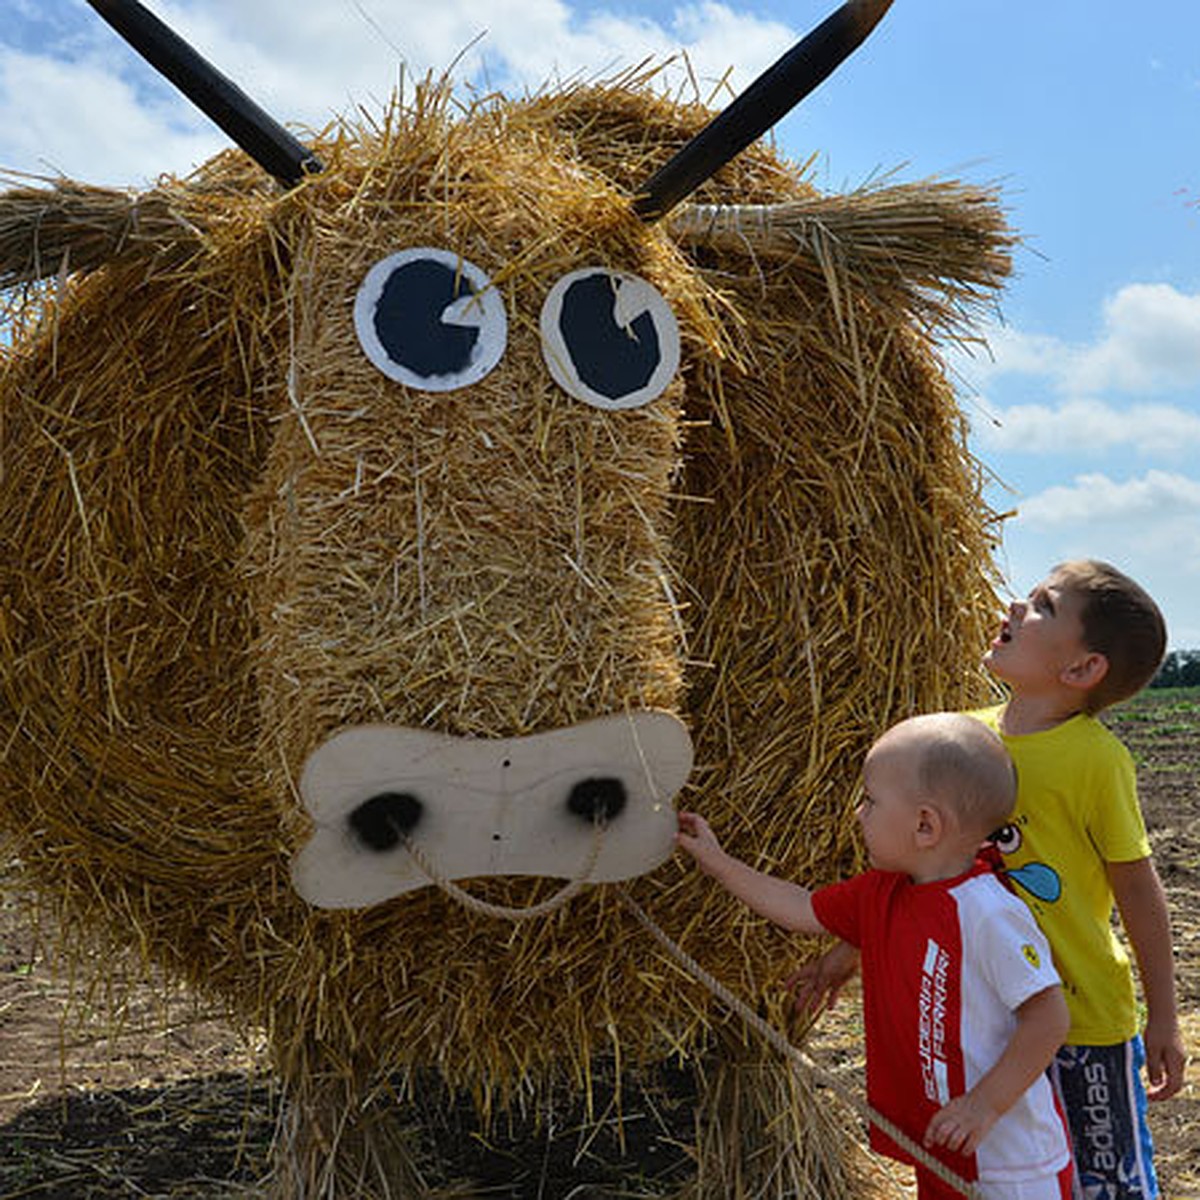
<point>1085,638</point>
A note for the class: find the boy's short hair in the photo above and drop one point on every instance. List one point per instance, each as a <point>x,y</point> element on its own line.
<point>966,766</point>
<point>1120,621</point>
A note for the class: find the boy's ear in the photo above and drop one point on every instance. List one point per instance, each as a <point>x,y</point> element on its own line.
<point>1085,672</point>
<point>930,824</point>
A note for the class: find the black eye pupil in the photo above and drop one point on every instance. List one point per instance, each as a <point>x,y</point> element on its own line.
<point>597,799</point>
<point>408,319</point>
<point>613,360</point>
<point>383,820</point>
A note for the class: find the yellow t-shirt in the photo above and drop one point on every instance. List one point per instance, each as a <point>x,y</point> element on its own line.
<point>1077,811</point>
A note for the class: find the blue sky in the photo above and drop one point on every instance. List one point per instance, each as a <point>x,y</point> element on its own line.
<point>1085,113</point>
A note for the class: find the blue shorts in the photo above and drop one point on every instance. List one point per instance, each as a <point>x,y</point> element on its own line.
<point>1100,1089</point>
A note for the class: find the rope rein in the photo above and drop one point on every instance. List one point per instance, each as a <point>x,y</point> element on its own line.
<point>776,1039</point>
<point>731,1001</point>
<point>485,908</point>
<point>734,1003</point>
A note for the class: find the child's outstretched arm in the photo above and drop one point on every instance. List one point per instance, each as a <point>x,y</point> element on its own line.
<point>1143,908</point>
<point>786,904</point>
<point>1042,1024</point>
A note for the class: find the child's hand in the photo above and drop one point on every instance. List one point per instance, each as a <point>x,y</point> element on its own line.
<point>695,837</point>
<point>962,1124</point>
<point>1166,1059</point>
<point>816,985</point>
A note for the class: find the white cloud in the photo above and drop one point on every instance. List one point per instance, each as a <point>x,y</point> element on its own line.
<point>1093,399</point>
<point>1157,498</point>
<point>1149,526</point>
<point>95,113</point>
<point>78,111</point>
<point>1010,352</point>
<point>1088,425</point>
<point>1149,343</point>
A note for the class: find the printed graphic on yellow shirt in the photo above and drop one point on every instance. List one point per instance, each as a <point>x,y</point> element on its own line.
<point>1038,879</point>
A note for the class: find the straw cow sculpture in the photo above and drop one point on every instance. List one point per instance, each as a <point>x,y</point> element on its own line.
<point>386,544</point>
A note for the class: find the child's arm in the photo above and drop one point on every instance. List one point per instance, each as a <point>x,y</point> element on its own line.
<point>1143,908</point>
<point>786,904</point>
<point>1042,1024</point>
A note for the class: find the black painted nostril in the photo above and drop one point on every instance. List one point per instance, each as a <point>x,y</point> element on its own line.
<point>597,799</point>
<point>383,820</point>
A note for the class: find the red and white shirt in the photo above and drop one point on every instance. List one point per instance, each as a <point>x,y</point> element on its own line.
<point>945,966</point>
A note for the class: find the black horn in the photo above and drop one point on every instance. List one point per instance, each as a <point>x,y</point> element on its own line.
<point>262,137</point>
<point>777,90</point>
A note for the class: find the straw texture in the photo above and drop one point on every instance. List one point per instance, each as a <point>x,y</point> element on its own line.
<point>227,535</point>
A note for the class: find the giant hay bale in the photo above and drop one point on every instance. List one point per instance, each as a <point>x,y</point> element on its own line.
<point>228,536</point>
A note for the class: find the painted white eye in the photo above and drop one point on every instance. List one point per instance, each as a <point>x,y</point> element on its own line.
<point>1007,839</point>
<point>609,339</point>
<point>430,319</point>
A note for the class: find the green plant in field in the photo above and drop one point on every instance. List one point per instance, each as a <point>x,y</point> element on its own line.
<point>1171,728</point>
<point>1167,768</point>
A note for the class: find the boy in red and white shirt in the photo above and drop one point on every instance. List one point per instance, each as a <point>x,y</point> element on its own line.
<point>962,1005</point>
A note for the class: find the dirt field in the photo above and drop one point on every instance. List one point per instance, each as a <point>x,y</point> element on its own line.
<point>165,1103</point>
<point>1162,728</point>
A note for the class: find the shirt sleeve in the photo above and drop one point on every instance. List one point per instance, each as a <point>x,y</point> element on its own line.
<point>839,908</point>
<point>1014,954</point>
<point>1115,823</point>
